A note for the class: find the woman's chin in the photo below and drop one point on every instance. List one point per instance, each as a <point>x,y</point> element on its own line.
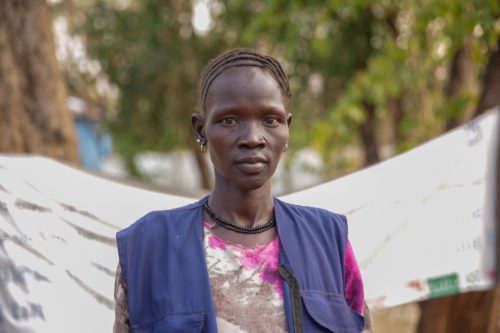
<point>252,183</point>
<point>243,182</point>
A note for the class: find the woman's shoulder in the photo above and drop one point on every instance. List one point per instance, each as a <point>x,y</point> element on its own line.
<point>309,210</point>
<point>313,218</point>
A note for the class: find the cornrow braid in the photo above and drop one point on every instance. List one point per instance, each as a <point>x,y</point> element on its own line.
<point>242,58</point>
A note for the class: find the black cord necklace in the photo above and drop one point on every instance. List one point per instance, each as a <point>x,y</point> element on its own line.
<point>236,228</point>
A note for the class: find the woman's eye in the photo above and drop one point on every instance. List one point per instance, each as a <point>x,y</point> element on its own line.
<point>271,122</point>
<point>228,121</point>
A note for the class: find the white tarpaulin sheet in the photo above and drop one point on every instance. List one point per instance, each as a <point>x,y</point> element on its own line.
<point>421,224</point>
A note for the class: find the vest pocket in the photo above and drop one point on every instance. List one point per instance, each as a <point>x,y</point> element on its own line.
<point>330,313</point>
<point>175,323</point>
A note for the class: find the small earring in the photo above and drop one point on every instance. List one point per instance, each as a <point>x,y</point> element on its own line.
<point>203,146</point>
<point>285,149</point>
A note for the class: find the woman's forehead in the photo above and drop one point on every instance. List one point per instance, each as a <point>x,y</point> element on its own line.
<point>243,73</point>
<point>243,83</point>
<point>245,58</point>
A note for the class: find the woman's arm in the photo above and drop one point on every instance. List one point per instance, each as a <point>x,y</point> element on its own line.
<point>121,324</point>
<point>353,286</point>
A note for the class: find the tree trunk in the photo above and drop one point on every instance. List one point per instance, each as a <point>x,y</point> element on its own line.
<point>368,136</point>
<point>459,82</point>
<point>33,113</point>
<point>465,313</point>
<point>395,106</point>
<point>490,95</point>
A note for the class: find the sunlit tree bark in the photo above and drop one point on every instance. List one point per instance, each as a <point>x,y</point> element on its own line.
<point>33,113</point>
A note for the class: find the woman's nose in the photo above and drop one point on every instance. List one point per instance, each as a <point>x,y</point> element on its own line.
<point>252,136</point>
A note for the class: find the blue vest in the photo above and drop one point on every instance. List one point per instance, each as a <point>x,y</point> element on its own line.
<point>163,262</point>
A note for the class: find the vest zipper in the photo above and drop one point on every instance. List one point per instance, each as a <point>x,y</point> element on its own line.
<point>295,298</point>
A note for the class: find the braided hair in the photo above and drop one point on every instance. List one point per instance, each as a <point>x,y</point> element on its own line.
<point>242,58</point>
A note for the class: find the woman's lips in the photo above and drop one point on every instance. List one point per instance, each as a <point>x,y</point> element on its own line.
<point>251,165</point>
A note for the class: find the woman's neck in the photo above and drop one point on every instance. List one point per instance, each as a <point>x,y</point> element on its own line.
<point>245,208</point>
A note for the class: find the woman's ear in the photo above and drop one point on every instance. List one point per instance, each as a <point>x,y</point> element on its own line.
<point>289,119</point>
<point>198,123</point>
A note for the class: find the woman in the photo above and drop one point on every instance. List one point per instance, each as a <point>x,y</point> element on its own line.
<point>239,260</point>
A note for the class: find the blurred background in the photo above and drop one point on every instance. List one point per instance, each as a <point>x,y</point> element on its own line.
<point>110,86</point>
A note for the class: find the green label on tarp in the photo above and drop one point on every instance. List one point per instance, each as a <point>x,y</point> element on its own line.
<point>443,285</point>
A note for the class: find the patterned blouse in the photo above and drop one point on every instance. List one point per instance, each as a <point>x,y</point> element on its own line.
<point>245,285</point>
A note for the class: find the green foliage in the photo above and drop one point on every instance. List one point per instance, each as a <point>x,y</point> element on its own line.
<point>340,55</point>
<point>149,51</point>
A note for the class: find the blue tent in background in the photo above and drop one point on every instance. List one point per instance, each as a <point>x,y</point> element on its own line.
<point>94,144</point>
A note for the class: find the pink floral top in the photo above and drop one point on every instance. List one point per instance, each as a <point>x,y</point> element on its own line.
<point>246,285</point>
<point>242,278</point>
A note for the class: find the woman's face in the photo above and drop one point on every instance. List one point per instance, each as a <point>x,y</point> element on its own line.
<point>245,125</point>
